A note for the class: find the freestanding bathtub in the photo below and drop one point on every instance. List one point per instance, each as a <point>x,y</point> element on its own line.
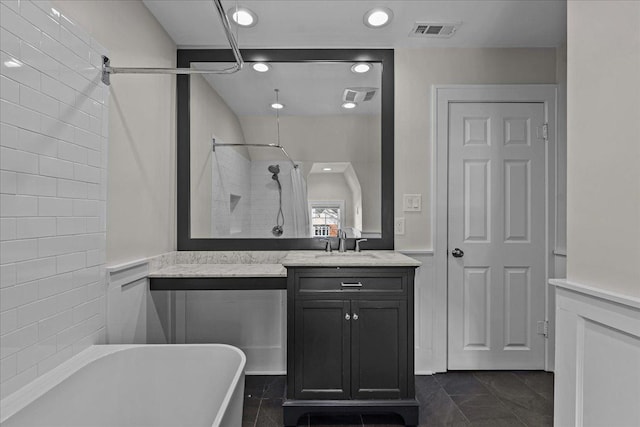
<point>135,385</point>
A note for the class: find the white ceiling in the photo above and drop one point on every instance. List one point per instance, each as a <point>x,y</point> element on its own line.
<point>339,23</point>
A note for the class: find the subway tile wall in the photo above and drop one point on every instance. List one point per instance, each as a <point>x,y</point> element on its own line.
<point>53,160</point>
<point>245,198</point>
<point>265,199</point>
<point>231,200</point>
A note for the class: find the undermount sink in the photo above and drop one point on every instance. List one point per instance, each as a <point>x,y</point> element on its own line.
<point>348,255</point>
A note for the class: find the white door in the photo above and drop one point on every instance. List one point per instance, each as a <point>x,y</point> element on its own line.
<point>496,283</point>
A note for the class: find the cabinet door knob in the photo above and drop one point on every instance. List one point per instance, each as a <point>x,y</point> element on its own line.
<point>355,316</point>
<point>347,317</point>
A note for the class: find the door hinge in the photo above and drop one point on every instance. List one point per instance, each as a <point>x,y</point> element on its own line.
<point>545,132</point>
<point>543,328</point>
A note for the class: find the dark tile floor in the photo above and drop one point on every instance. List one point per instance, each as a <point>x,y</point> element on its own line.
<point>464,398</point>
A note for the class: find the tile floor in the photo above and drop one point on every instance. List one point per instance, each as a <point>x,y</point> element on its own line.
<point>479,398</point>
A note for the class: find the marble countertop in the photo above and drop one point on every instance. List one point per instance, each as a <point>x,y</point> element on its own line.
<point>221,270</point>
<point>348,259</point>
<point>257,264</point>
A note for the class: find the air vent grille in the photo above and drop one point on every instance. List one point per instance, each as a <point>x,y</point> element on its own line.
<point>432,29</point>
<point>359,94</point>
<point>369,95</point>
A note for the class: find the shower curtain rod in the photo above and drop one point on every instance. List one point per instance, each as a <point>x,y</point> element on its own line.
<point>225,144</point>
<point>107,69</point>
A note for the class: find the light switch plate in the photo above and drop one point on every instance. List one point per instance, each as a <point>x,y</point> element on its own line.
<point>412,202</point>
<point>398,226</point>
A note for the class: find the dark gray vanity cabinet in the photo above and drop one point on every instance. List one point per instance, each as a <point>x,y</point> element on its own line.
<point>379,365</point>
<point>350,341</point>
<point>322,347</point>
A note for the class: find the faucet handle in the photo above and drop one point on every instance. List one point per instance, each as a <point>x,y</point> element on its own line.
<point>327,246</point>
<point>357,249</point>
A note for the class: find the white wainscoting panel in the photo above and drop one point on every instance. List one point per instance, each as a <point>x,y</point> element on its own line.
<point>127,294</point>
<point>254,321</point>
<point>430,317</point>
<point>597,367</point>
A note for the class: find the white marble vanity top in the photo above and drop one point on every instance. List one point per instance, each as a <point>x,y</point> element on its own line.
<point>264,264</point>
<point>348,259</point>
<point>221,270</point>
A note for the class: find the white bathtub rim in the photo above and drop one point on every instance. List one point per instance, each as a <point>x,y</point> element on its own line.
<point>21,398</point>
<point>237,376</point>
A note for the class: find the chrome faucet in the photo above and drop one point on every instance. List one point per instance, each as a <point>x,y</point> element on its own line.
<point>327,244</point>
<point>357,248</point>
<point>342,239</point>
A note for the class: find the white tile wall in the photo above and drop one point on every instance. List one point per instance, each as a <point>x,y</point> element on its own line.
<point>255,214</point>
<point>231,175</point>
<point>53,118</point>
<point>265,199</point>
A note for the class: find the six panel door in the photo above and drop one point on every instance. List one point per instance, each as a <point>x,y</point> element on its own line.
<point>497,217</point>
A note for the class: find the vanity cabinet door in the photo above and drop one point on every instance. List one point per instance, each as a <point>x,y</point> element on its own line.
<point>322,349</point>
<point>379,349</point>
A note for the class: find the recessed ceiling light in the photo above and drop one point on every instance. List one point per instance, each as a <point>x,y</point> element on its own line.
<point>349,105</point>
<point>277,106</point>
<point>243,16</point>
<point>378,17</point>
<point>261,67</point>
<point>327,169</point>
<point>361,67</point>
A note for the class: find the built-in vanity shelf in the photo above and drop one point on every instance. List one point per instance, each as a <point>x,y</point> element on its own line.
<point>216,277</point>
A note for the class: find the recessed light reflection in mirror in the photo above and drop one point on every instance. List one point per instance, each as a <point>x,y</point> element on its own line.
<point>361,67</point>
<point>261,67</point>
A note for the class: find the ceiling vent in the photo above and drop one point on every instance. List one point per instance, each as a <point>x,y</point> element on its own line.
<point>359,94</point>
<point>433,29</point>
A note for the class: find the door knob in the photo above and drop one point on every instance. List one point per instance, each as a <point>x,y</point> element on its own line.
<point>457,253</point>
<point>347,317</point>
<point>355,316</point>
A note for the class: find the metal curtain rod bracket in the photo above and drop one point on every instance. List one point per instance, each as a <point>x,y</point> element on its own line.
<point>225,144</point>
<point>107,69</point>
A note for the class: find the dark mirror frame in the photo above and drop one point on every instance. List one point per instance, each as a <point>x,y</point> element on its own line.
<point>187,56</point>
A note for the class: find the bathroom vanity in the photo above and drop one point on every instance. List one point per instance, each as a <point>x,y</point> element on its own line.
<point>350,322</point>
<point>350,344</point>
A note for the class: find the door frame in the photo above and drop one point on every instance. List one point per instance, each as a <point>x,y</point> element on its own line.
<point>442,96</point>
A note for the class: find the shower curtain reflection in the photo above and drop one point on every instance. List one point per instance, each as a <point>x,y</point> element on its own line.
<point>252,198</point>
<point>300,215</point>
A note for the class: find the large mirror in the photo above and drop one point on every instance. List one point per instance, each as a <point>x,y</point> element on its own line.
<point>251,176</point>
